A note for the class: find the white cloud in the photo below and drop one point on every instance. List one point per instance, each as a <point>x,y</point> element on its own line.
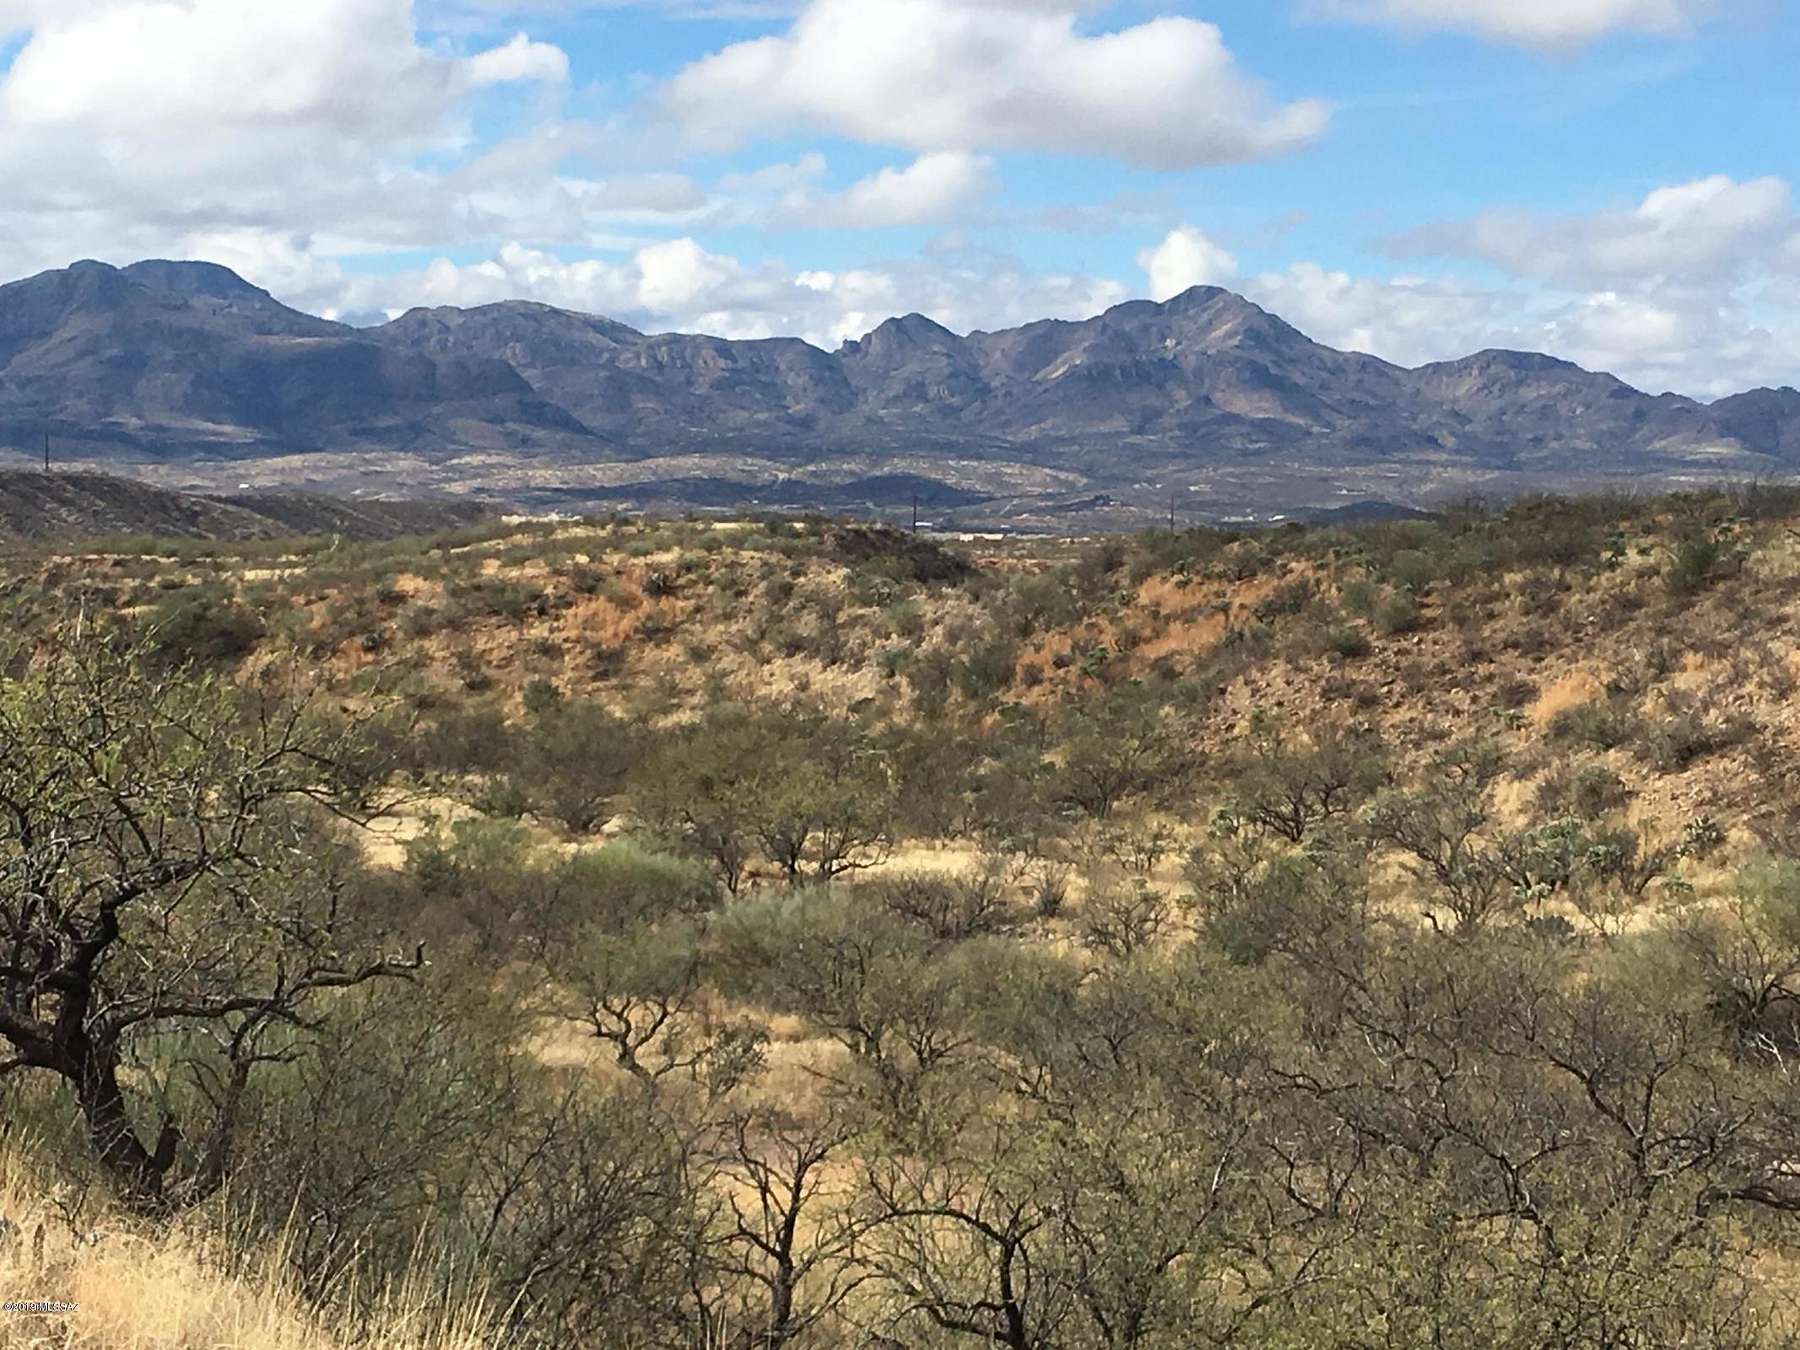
<point>1538,23</point>
<point>20,15</point>
<point>137,72</point>
<point>481,13</point>
<point>1186,258</point>
<point>280,264</point>
<point>1690,289</point>
<point>932,188</point>
<point>520,59</point>
<point>1702,346</point>
<point>173,115</point>
<point>677,276</point>
<point>1706,231</point>
<point>1612,327</point>
<point>946,75</point>
<point>1409,321</point>
<point>257,132</point>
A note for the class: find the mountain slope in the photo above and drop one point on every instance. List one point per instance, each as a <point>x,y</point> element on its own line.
<point>189,365</point>
<point>1767,418</point>
<point>624,383</point>
<point>179,359</point>
<point>1537,409</point>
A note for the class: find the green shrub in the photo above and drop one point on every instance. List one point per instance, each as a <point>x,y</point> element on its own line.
<point>1699,560</point>
<point>1685,735</point>
<point>203,627</point>
<point>892,661</point>
<point>1605,725</point>
<point>1289,598</point>
<point>1045,600</point>
<point>500,795</point>
<point>1349,643</point>
<point>987,669</point>
<point>630,882</point>
<point>1412,570</point>
<point>496,598</point>
<point>574,761</point>
<point>1586,793</point>
<point>474,738</point>
<point>1360,597</point>
<point>1398,614</point>
<point>541,697</point>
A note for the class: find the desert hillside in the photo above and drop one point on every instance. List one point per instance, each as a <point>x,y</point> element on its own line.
<point>68,506</point>
<point>802,934</point>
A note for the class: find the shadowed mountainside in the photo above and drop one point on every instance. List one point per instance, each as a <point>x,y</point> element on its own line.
<point>65,506</point>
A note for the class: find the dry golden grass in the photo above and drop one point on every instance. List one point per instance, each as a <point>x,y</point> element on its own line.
<point>1196,635</point>
<point>1574,690</point>
<point>132,1287</point>
<point>385,839</point>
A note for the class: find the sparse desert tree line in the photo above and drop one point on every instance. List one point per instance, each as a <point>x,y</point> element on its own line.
<point>1269,1107</point>
<point>667,1043</point>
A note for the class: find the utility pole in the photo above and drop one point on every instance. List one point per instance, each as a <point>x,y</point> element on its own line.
<point>915,528</point>
<point>46,452</point>
<point>1171,510</point>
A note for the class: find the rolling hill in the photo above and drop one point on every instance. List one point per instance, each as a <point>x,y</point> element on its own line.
<point>64,507</point>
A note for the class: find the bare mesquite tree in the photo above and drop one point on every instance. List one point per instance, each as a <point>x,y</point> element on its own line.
<point>167,871</point>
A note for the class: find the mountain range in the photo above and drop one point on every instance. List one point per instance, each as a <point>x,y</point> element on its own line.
<point>187,374</point>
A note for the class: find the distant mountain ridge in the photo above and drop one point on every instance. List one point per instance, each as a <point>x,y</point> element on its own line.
<point>175,359</point>
<point>187,363</point>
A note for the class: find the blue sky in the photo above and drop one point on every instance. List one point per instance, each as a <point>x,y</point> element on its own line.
<point>1609,180</point>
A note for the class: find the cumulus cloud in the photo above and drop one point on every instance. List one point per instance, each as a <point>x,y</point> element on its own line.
<point>191,113</point>
<point>1620,326</point>
<point>520,59</point>
<point>1186,258</point>
<point>19,15</point>
<point>932,188</point>
<point>1407,320</point>
<point>1537,23</point>
<point>467,13</point>
<point>261,132</point>
<point>134,71</point>
<point>947,75</point>
<point>1689,289</point>
<point>1705,231</point>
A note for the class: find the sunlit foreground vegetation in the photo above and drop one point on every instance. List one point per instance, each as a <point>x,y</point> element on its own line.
<point>780,935</point>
